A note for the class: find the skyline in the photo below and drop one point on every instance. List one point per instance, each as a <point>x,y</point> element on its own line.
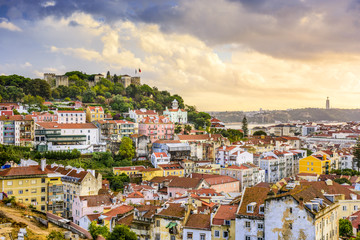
<point>222,55</point>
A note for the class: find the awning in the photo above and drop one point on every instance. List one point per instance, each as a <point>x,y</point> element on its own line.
<point>171,224</point>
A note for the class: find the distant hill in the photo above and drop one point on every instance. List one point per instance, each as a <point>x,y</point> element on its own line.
<point>307,114</point>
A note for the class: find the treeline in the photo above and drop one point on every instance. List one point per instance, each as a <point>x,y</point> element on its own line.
<point>108,91</point>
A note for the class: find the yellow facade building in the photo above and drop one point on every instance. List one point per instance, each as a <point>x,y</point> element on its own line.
<point>172,169</point>
<point>94,113</point>
<point>34,185</point>
<point>318,164</point>
<point>131,171</point>
<point>149,173</point>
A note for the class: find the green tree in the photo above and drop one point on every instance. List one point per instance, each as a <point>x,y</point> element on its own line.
<point>55,235</point>
<point>122,232</point>
<point>178,129</point>
<point>96,230</point>
<point>356,153</point>
<point>126,149</point>
<point>89,96</point>
<point>342,181</point>
<point>345,228</point>
<point>108,76</point>
<point>245,126</point>
<point>259,133</point>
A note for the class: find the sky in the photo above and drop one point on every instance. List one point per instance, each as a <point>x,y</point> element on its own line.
<point>220,55</point>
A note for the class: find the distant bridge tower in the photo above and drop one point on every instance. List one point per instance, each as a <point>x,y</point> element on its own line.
<point>327,103</point>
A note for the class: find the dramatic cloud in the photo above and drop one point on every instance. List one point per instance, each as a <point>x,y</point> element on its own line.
<point>218,55</point>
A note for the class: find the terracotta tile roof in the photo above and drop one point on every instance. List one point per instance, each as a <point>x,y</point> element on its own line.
<point>135,195</point>
<point>224,212</point>
<point>335,188</point>
<point>150,169</point>
<point>155,120</point>
<point>24,171</point>
<point>198,221</point>
<point>222,180</point>
<point>253,195</point>
<point>355,219</point>
<point>93,217</point>
<point>175,166</point>
<point>160,154</point>
<point>16,118</point>
<point>234,167</point>
<point>173,210</point>
<point>97,200</point>
<point>54,125</point>
<point>93,108</point>
<point>149,210</point>
<point>120,210</point>
<point>185,182</point>
<point>147,112</point>
<point>127,220</point>
<point>205,176</point>
<point>69,172</point>
<point>162,179</point>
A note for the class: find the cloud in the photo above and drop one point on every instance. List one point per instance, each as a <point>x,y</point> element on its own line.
<point>77,52</point>
<point>4,23</point>
<point>48,4</point>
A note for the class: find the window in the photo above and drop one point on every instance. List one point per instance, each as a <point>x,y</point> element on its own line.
<point>247,224</point>
<point>157,236</point>
<point>43,199</point>
<point>260,226</point>
<point>33,181</point>
<point>307,163</point>
<point>43,180</point>
<point>308,169</point>
<point>158,223</point>
<point>355,208</point>
<point>42,189</point>
<point>260,238</point>
<point>344,208</point>
<point>202,236</point>
<point>9,192</point>
<point>33,190</point>
<point>290,225</point>
<point>20,182</point>
<point>190,235</point>
<point>217,233</point>
<point>290,210</point>
<point>172,237</point>
<point>225,234</point>
<point>21,191</point>
<point>42,207</point>
<point>247,238</point>
<point>9,183</point>
<point>227,222</point>
<point>261,209</point>
<point>250,209</point>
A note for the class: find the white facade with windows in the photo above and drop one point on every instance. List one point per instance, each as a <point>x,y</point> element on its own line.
<point>71,117</point>
<point>196,234</point>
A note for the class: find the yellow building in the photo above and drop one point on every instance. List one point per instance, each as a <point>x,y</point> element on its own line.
<point>172,169</point>
<point>223,223</point>
<point>209,169</point>
<point>315,164</point>
<point>131,171</point>
<point>94,113</point>
<point>149,173</point>
<point>34,185</point>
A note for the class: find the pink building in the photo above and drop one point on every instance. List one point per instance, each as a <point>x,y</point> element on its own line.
<point>156,127</point>
<point>180,186</point>
<point>93,204</point>
<point>44,117</point>
<point>219,183</point>
<point>71,116</point>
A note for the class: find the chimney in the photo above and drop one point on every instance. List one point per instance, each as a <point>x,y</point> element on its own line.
<point>324,157</point>
<point>43,164</point>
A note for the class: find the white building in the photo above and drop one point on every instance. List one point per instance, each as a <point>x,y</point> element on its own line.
<point>233,155</point>
<point>71,116</point>
<point>248,174</point>
<point>275,168</point>
<point>160,158</point>
<point>139,115</point>
<point>249,222</point>
<point>85,137</point>
<point>176,114</point>
<point>197,227</point>
<point>302,213</point>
